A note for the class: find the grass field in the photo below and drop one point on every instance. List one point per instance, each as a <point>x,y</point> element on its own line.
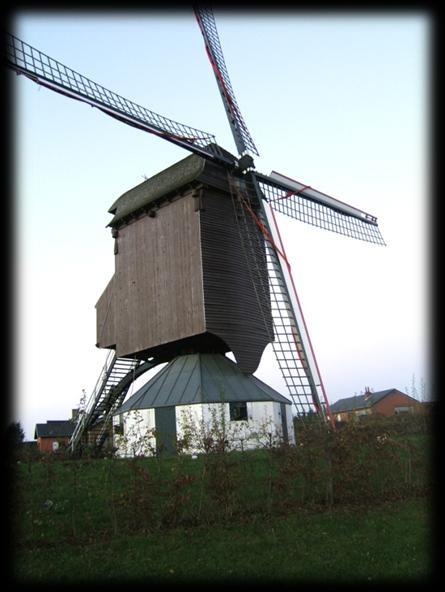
<point>390,542</point>
<point>347,509</point>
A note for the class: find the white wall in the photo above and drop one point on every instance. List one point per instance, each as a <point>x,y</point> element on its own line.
<point>138,433</point>
<point>196,424</point>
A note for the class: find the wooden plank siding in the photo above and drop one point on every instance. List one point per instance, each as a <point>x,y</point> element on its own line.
<point>187,278</point>
<point>237,303</point>
<point>105,317</point>
<point>159,292</point>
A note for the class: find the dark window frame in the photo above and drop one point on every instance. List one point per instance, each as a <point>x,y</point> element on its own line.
<point>238,411</point>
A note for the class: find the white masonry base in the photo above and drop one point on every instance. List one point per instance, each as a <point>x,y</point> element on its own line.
<point>200,424</point>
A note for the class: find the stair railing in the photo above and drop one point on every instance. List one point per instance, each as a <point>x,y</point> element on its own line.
<point>91,404</point>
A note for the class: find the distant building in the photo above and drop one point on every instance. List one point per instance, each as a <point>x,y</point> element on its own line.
<point>53,435</point>
<point>386,403</point>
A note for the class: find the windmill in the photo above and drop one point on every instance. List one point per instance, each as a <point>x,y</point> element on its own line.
<point>275,313</point>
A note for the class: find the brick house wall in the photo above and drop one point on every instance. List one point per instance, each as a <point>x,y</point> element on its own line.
<point>342,416</point>
<point>353,413</point>
<point>46,444</point>
<point>387,405</point>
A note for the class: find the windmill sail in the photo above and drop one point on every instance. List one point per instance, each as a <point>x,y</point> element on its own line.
<point>292,344</point>
<point>291,341</point>
<point>309,205</point>
<point>48,72</point>
<point>241,134</point>
<point>289,336</point>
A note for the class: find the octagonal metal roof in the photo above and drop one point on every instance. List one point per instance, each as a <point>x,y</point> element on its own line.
<point>200,378</point>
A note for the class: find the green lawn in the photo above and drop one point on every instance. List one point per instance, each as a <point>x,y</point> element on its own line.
<point>93,498</point>
<point>345,509</point>
<point>389,542</point>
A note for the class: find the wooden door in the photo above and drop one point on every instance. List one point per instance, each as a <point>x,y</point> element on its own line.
<point>165,422</point>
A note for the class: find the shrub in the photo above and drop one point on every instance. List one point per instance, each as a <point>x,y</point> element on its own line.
<point>361,463</point>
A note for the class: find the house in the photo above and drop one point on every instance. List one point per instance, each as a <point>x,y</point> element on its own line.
<point>197,397</point>
<point>387,402</point>
<point>53,434</point>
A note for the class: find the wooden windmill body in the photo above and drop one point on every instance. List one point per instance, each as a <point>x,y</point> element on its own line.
<point>200,268</point>
<point>183,282</point>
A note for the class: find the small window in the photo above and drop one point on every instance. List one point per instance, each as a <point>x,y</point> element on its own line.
<point>399,410</point>
<point>238,411</point>
<point>119,427</point>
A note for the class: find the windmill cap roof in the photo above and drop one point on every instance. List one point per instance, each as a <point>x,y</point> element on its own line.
<point>200,378</point>
<point>165,183</point>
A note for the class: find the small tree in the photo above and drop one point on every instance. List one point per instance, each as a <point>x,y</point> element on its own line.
<point>423,391</point>
<point>15,435</point>
<point>419,394</point>
<point>414,392</point>
<point>14,439</point>
<point>82,405</point>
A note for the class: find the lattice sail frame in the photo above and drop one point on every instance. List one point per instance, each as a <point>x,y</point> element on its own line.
<point>288,334</point>
<point>292,345</point>
<point>242,137</point>
<point>46,71</point>
<point>318,209</point>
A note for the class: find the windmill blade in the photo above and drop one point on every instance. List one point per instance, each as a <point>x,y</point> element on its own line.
<point>292,345</point>
<point>290,338</point>
<point>241,134</point>
<point>309,205</point>
<point>44,70</point>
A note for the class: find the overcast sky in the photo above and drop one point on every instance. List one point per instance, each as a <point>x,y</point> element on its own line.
<point>337,101</point>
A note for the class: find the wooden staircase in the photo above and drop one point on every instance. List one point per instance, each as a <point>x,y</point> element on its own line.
<point>113,383</point>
